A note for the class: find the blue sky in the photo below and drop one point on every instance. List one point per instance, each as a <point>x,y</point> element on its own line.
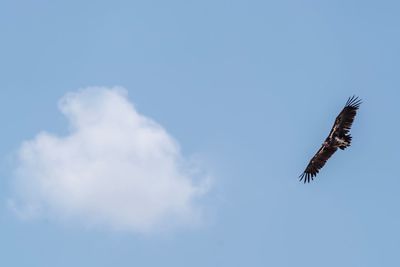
<point>250,89</point>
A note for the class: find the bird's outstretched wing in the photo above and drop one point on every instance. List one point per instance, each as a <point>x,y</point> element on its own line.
<point>317,162</point>
<point>346,117</point>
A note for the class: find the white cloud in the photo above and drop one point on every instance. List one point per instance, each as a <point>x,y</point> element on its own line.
<point>115,168</point>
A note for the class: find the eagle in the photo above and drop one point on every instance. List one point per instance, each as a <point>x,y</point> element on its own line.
<point>339,137</point>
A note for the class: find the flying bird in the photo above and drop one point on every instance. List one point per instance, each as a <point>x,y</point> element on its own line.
<point>339,137</point>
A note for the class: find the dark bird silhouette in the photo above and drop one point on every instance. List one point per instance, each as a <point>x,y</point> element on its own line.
<point>339,137</point>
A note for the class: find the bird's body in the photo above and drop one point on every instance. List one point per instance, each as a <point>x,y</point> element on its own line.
<point>339,137</point>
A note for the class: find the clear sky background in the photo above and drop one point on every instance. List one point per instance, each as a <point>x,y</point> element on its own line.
<point>251,89</point>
